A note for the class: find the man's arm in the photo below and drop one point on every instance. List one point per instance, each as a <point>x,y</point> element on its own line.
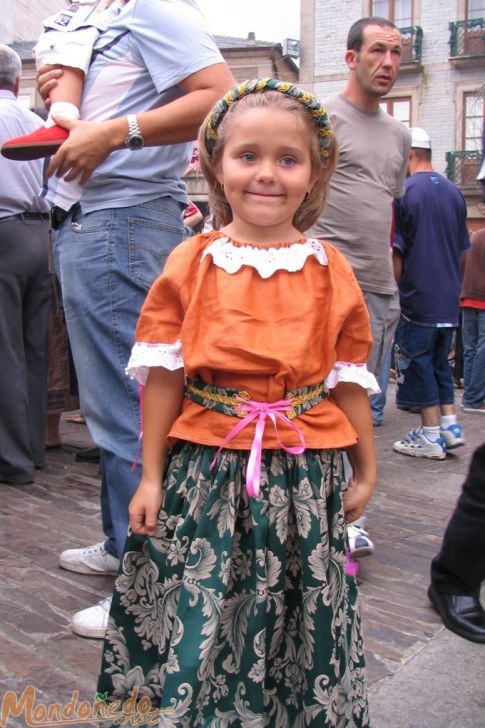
<point>90,143</point>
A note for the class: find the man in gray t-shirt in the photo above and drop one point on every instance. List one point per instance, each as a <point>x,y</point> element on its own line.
<point>370,174</point>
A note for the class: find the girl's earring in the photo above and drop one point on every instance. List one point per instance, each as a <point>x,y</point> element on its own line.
<point>307,195</point>
<point>222,186</point>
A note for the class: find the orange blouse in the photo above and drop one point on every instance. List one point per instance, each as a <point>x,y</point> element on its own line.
<point>257,318</point>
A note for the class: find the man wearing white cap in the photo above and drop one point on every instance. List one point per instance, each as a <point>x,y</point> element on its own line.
<point>431,235</point>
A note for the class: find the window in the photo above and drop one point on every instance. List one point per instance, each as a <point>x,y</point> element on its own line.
<point>473,116</point>
<point>399,108</point>
<point>475,9</point>
<point>473,119</point>
<point>474,38</point>
<point>399,12</point>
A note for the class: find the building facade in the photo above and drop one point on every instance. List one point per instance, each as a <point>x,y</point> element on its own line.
<point>441,85</point>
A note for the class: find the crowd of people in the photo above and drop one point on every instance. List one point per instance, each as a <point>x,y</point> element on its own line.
<point>335,254</point>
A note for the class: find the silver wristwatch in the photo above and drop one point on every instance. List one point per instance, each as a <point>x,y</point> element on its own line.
<point>134,140</point>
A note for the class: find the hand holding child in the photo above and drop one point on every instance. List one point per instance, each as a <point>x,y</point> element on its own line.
<point>88,145</point>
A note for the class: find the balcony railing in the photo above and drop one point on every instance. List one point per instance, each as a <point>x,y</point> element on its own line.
<point>462,168</point>
<point>412,45</point>
<point>467,38</point>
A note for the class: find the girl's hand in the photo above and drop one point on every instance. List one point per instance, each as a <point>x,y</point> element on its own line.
<point>47,77</point>
<point>145,507</point>
<point>356,497</point>
<point>89,143</point>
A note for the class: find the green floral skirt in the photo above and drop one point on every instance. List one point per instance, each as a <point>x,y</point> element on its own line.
<point>238,613</point>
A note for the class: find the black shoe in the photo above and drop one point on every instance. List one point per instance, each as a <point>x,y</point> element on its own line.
<point>463,615</point>
<point>88,456</point>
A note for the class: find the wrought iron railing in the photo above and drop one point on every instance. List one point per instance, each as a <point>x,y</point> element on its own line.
<point>462,168</point>
<point>412,44</point>
<point>467,38</point>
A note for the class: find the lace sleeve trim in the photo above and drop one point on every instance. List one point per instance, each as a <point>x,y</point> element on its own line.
<point>343,371</point>
<point>266,261</point>
<point>143,356</point>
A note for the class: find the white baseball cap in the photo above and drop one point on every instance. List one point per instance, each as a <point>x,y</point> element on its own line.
<point>419,138</point>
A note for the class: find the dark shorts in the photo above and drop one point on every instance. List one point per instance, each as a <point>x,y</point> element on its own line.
<point>424,376</point>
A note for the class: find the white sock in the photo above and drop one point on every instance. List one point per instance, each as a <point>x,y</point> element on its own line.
<point>432,433</point>
<point>62,108</point>
<point>447,420</point>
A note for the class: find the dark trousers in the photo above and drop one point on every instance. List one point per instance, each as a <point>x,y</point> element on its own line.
<point>459,568</point>
<point>25,292</point>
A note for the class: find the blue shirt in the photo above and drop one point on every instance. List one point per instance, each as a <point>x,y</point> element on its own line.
<point>21,181</point>
<point>431,234</point>
<point>138,62</point>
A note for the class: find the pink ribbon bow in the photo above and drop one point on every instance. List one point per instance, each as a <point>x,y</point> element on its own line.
<point>261,410</point>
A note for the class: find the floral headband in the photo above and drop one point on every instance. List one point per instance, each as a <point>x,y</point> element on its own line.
<point>317,111</point>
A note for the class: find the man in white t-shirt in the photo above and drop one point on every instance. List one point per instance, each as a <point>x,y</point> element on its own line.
<point>371,172</point>
<point>118,198</point>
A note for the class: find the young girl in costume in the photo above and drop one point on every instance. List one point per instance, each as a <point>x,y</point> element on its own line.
<point>232,606</point>
<point>67,41</point>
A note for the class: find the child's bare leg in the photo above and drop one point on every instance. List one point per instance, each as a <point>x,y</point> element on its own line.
<point>66,96</point>
<point>69,86</point>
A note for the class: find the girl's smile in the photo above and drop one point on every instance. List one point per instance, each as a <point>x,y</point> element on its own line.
<point>266,172</point>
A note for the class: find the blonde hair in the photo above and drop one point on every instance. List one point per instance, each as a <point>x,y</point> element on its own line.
<point>210,156</point>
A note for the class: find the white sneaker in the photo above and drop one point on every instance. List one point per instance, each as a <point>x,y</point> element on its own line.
<point>93,621</point>
<point>359,541</point>
<point>90,560</point>
<point>453,435</point>
<point>418,445</point>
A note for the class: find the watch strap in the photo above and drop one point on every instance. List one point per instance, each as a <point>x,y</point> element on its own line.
<point>134,132</point>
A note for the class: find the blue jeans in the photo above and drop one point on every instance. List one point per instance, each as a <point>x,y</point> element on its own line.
<point>106,261</point>
<point>378,401</point>
<point>473,336</point>
<point>424,375</point>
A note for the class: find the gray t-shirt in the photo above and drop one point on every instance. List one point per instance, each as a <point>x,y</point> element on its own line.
<point>371,172</point>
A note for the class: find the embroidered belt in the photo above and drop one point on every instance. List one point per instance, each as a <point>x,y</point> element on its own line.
<point>238,404</point>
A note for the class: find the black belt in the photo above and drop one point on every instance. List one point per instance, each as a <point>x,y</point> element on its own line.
<point>26,216</point>
<point>58,215</point>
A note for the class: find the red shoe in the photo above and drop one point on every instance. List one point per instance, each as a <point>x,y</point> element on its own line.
<point>42,142</point>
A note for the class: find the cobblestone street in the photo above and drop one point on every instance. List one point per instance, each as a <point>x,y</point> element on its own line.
<point>406,520</point>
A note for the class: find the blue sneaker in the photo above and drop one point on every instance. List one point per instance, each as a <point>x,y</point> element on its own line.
<point>418,445</point>
<point>453,435</point>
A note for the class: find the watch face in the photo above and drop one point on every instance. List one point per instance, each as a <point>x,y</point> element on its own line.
<point>135,142</point>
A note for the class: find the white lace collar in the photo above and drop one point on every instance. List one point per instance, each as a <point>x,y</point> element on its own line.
<point>266,261</point>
